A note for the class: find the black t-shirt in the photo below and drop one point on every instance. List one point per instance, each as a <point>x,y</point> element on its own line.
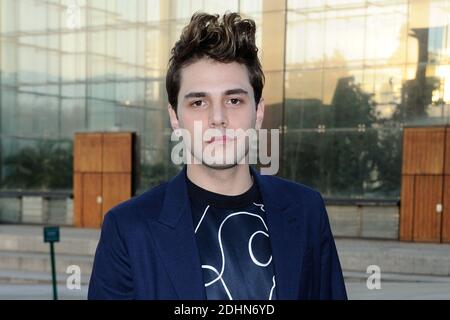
<point>233,241</point>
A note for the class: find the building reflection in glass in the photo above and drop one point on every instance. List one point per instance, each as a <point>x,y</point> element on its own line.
<point>343,78</point>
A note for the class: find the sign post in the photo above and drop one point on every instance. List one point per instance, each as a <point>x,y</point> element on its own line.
<point>51,235</point>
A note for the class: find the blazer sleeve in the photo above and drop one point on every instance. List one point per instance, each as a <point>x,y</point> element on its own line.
<point>332,284</point>
<point>111,273</point>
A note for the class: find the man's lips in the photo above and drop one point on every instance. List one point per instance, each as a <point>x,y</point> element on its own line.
<point>221,139</point>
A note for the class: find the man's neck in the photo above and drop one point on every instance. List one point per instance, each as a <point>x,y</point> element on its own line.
<point>232,181</point>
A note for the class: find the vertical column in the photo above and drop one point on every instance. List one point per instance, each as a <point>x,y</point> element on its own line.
<point>272,33</point>
<point>272,49</point>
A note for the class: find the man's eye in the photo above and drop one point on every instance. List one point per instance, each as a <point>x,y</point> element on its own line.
<point>234,101</point>
<point>197,103</point>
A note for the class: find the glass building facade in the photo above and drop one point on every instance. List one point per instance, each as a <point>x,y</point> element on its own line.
<point>343,77</point>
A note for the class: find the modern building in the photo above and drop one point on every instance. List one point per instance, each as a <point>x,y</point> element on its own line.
<point>343,77</point>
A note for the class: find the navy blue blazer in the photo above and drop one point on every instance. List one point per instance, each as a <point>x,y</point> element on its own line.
<point>147,247</point>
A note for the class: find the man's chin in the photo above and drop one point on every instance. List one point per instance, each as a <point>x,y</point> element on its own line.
<point>219,164</point>
<point>216,166</point>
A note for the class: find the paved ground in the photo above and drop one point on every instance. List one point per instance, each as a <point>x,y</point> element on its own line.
<point>39,292</point>
<point>408,270</point>
<point>356,289</point>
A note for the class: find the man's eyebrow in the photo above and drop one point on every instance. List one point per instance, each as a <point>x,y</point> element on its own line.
<point>195,95</point>
<point>235,91</point>
<point>204,94</point>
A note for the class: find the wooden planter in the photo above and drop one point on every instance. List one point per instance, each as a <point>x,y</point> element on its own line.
<point>103,174</point>
<point>425,192</point>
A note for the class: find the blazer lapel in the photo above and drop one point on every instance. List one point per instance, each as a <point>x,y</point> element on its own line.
<point>287,236</point>
<point>175,240</point>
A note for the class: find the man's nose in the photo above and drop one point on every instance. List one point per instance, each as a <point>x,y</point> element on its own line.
<point>218,117</point>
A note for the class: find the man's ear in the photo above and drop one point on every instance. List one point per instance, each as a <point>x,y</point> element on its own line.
<point>173,117</point>
<point>259,114</point>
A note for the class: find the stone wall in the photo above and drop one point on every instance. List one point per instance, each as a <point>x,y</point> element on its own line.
<point>364,221</point>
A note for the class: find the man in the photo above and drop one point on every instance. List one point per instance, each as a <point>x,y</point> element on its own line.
<point>219,229</point>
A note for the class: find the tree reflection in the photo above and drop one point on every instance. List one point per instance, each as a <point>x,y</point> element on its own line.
<point>45,166</point>
<point>345,147</point>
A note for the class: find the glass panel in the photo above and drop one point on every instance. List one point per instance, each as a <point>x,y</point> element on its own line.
<point>272,45</point>
<point>154,170</point>
<point>344,3</point>
<point>220,7</point>
<point>381,158</point>
<point>153,9</point>
<point>9,111</point>
<point>101,115</point>
<point>344,36</point>
<point>250,6</point>
<point>305,4</point>
<point>385,86</point>
<point>346,163</point>
<point>303,103</point>
<point>386,34</point>
<point>273,88</point>
<point>97,15</point>
<point>332,161</point>
<point>425,95</point>
<point>338,82</point>
<point>32,15</point>
<point>36,164</point>
<point>73,117</point>
<point>349,74</point>
<point>8,18</point>
<point>304,84</point>
<point>305,40</point>
<point>301,163</point>
<point>340,155</point>
<point>10,209</point>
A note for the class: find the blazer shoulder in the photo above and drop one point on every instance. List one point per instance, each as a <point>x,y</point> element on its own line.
<point>308,200</point>
<point>294,189</point>
<point>148,203</point>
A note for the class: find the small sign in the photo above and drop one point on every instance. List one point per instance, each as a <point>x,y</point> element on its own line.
<point>51,234</point>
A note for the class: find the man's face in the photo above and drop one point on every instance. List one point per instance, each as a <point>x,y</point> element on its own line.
<point>218,96</point>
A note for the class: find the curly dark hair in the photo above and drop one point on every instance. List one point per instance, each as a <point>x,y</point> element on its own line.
<point>231,39</point>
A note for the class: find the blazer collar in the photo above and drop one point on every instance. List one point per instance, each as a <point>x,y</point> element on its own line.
<point>176,199</point>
